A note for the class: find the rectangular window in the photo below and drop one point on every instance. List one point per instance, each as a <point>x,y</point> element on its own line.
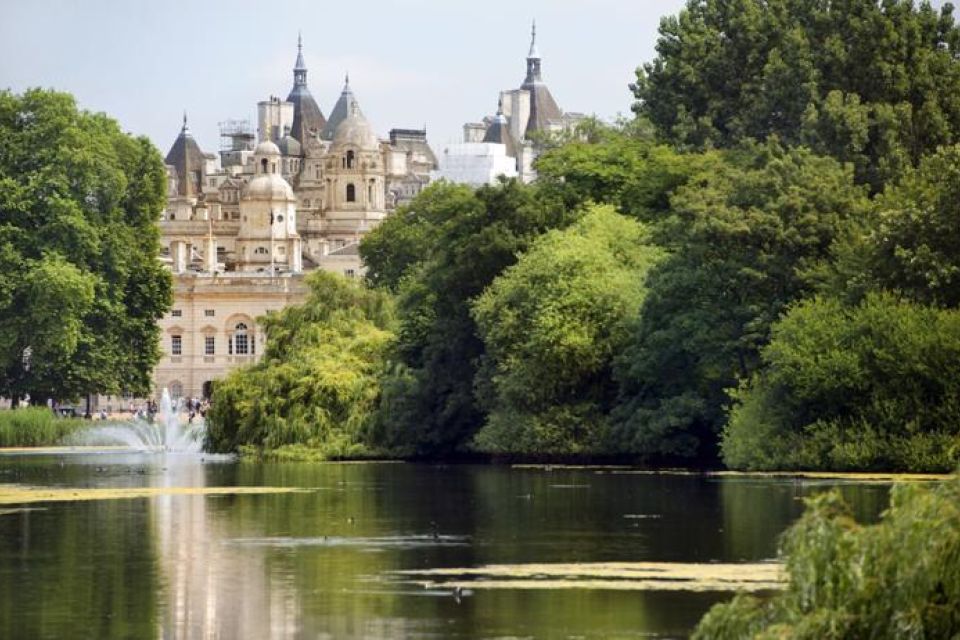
<point>209,345</point>
<point>350,273</point>
<point>176,345</point>
<point>240,344</point>
<point>209,313</point>
<point>176,313</point>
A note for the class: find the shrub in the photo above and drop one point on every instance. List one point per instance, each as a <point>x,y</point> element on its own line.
<point>896,579</point>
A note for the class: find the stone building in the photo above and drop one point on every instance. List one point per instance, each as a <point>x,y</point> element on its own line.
<point>241,230</point>
<point>506,144</point>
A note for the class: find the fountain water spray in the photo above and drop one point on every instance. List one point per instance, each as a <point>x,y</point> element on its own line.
<point>164,434</point>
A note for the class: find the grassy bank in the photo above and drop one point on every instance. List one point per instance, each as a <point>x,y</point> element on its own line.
<point>35,427</point>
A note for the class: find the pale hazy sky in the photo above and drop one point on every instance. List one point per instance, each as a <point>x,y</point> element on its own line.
<point>412,62</point>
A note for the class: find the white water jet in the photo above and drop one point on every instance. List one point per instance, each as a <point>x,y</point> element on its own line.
<point>165,433</point>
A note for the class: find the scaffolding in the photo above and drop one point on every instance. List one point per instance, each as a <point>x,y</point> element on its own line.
<point>236,135</point>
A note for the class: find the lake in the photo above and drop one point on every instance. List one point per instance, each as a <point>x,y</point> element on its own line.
<point>340,559</point>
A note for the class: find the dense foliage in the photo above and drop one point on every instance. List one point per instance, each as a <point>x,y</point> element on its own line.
<point>871,83</point>
<point>896,579</point>
<point>914,242</point>
<point>872,386</point>
<point>747,236</point>
<point>767,258</point>
<point>429,406</point>
<point>552,325</point>
<point>81,288</point>
<point>318,381</point>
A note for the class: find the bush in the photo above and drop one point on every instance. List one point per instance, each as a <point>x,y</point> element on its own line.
<point>35,427</point>
<point>896,579</point>
<point>872,386</point>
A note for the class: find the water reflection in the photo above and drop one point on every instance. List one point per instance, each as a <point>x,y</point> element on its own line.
<point>320,564</point>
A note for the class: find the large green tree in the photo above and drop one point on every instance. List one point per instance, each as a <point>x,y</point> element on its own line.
<point>551,326</point>
<point>909,241</point>
<point>81,288</point>
<point>748,236</point>
<point>873,83</point>
<point>472,236</point>
<point>613,166</point>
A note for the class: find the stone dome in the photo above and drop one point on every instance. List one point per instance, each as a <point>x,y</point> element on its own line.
<point>290,146</point>
<point>267,148</point>
<point>269,186</point>
<point>356,131</point>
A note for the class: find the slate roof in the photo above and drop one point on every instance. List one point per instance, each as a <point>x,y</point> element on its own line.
<point>308,120</point>
<point>185,156</point>
<point>340,111</point>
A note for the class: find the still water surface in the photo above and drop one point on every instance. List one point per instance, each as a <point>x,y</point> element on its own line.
<point>322,563</point>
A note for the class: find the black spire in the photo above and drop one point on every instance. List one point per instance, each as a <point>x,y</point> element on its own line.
<point>299,68</point>
<point>533,58</point>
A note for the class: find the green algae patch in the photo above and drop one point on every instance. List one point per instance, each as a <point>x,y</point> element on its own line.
<point>848,476</point>
<point>61,450</point>
<point>633,576</point>
<point>19,494</point>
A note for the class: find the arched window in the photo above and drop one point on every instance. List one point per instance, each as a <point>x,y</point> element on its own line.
<point>263,165</point>
<point>350,159</point>
<point>370,194</point>
<point>351,193</point>
<point>241,340</point>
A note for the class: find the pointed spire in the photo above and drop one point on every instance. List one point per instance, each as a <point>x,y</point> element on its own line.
<point>500,106</point>
<point>299,67</point>
<point>534,53</point>
<point>185,130</point>
<point>346,81</point>
<point>533,58</point>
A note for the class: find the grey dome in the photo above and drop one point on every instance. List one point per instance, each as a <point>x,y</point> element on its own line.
<point>269,186</point>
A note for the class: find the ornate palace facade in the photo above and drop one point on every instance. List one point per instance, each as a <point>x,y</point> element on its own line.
<point>243,227</point>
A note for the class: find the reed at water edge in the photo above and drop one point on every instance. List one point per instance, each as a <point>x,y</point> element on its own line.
<point>35,427</point>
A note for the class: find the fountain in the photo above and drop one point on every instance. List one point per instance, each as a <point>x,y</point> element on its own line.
<point>164,434</point>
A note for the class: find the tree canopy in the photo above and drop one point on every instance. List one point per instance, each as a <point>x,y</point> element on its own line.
<point>867,386</point>
<point>872,83</point>
<point>81,288</point>
<point>746,238</point>
<point>552,325</point>
<point>473,236</point>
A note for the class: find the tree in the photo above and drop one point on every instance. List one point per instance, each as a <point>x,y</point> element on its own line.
<point>915,243</point>
<point>429,403</point>
<point>869,386</point>
<point>613,167</point>
<point>81,288</point>
<point>747,237</point>
<point>407,236</point>
<point>872,83</point>
<point>551,326</point>
<point>899,578</point>
<point>317,384</point>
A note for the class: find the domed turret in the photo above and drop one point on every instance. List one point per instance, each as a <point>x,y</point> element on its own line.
<point>267,148</point>
<point>268,183</point>
<point>356,131</point>
<point>269,186</point>
<point>290,146</point>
